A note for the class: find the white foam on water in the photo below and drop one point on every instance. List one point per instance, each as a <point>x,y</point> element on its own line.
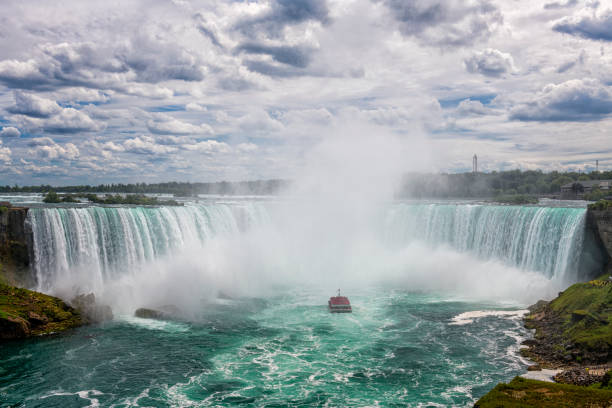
<point>153,324</point>
<point>85,394</point>
<point>469,317</point>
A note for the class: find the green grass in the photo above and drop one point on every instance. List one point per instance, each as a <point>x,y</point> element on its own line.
<point>586,313</point>
<point>522,393</point>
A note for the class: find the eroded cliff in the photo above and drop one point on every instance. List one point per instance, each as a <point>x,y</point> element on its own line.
<point>15,246</point>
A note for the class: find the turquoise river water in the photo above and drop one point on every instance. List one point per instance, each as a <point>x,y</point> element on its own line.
<point>437,296</point>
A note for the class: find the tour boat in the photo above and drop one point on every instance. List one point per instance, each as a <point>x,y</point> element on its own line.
<point>339,304</point>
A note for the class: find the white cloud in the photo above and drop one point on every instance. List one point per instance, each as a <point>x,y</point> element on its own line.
<point>259,122</point>
<point>146,145</point>
<point>84,95</point>
<point>574,100</point>
<point>10,131</point>
<point>587,24</point>
<point>471,75</point>
<point>469,107</point>
<point>70,120</point>
<point>208,146</point>
<point>490,62</point>
<point>38,113</point>
<point>247,147</point>
<point>5,154</point>
<point>167,125</point>
<point>47,149</point>
<point>446,23</point>
<point>24,73</point>
<point>192,106</point>
<point>33,105</point>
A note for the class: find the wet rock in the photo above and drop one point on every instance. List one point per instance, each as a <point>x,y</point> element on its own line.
<point>145,313</point>
<point>35,319</point>
<point>535,367</point>
<point>223,295</point>
<point>166,312</point>
<point>529,342</point>
<point>538,307</point>
<point>13,328</point>
<point>91,311</point>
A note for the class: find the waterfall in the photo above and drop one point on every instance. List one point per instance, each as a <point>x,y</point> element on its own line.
<point>105,241</point>
<point>98,244</point>
<point>544,239</point>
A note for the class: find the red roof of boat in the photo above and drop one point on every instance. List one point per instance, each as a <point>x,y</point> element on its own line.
<point>339,300</point>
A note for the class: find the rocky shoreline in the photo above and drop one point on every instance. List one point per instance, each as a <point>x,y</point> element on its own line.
<point>573,344</point>
<point>25,313</point>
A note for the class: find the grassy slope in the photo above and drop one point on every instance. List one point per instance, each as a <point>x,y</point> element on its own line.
<point>17,303</point>
<point>584,315</point>
<point>586,312</point>
<point>574,328</point>
<point>521,392</point>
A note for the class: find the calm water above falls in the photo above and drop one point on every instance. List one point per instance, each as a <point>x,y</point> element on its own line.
<point>437,298</point>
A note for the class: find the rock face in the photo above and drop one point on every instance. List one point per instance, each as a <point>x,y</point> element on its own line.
<point>12,327</point>
<point>145,313</point>
<point>601,223</point>
<point>25,313</point>
<point>15,246</point>
<point>166,312</point>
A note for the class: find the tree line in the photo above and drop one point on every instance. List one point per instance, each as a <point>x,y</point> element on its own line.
<point>178,189</point>
<point>414,185</point>
<point>494,184</point>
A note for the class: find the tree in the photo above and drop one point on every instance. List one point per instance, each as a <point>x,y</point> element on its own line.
<point>52,197</point>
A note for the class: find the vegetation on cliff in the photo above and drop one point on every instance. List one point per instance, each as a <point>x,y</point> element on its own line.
<point>522,393</point>
<point>25,313</point>
<point>601,205</point>
<point>574,328</point>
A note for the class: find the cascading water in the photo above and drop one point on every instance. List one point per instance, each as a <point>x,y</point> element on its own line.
<point>105,241</point>
<point>443,332</point>
<point>543,239</point>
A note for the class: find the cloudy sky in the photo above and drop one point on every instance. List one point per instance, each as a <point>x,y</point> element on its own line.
<point>159,90</point>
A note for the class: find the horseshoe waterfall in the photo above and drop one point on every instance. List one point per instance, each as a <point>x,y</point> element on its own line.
<point>438,291</point>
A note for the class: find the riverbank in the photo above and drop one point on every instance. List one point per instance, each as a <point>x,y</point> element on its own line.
<point>573,334</point>
<point>574,329</point>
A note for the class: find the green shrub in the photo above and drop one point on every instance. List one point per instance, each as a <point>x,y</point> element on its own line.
<point>517,199</point>
<point>52,197</point>
<point>601,205</point>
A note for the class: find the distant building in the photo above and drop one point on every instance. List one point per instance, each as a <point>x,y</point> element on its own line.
<point>577,189</point>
